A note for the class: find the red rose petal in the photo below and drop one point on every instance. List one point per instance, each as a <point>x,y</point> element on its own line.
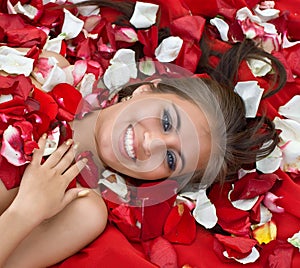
<point>47,104</point>
<point>125,218</point>
<point>10,175</point>
<point>252,185</point>
<point>180,226</point>
<point>161,253</point>
<point>237,247</point>
<point>67,106</point>
<point>145,36</point>
<point>19,86</point>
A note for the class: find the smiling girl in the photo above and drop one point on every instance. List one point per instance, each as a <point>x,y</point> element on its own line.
<point>191,130</point>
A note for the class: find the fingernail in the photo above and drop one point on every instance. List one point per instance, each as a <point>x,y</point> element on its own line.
<point>44,136</point>
<point>84,160</point>
<point>69,142</point>
<point>83,193</point>
<point>75,146</point>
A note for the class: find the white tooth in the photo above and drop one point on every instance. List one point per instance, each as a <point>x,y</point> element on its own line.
<point>128,142</point>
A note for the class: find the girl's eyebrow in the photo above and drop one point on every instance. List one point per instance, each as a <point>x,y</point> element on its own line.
<point>177,128</point>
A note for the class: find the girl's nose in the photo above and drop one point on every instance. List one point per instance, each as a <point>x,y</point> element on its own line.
<point>154,143</point>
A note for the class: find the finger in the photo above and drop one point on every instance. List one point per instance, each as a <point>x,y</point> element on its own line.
<point>72,194</point>
<point>57,155</point>
<point>38,153</point>
<point>74,170</point>
<point>67,159</point>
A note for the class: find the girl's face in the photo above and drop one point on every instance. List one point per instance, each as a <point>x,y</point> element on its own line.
<point>153,136</point>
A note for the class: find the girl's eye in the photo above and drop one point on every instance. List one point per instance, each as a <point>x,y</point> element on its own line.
<point>171,160</point>
<point>166,121</point>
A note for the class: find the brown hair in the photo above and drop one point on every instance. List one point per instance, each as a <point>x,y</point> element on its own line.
<point>236,140</point>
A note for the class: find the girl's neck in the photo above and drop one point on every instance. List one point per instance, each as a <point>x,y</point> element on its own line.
<point>84,134</point>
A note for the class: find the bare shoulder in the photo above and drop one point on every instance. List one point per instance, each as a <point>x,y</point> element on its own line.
<point>6,197</point>
<point>91,208</point>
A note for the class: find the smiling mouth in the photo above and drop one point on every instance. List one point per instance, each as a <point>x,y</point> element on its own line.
<point>128,142</point>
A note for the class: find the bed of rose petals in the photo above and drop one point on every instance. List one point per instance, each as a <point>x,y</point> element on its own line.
<point>96,47</point>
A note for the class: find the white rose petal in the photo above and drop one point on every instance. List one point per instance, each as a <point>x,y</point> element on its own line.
<point>144,15</point>
<point>87,84</point>
<point>291,109</point>
<point>295,240</point>
<point>266,14</point>
<point>269,28</point>
<point>68,70</point>
<point>126,56</point>
<point>27,10</point>
<point>205,212</point>
<point>190,195</point>
<point>56,76</point>
<point>259,68</point>
<point>291,156</point>
<point>16,64</point>
<point>270,163</point>
<point>119,186</point>
<point>147,67</point>
<point>72,25</point>
<point>168,49</point>
<point>245,13</point>
<point>290,129</point>
<point>5,98</point>
<point>265,215</point>
<point>222,27</point>
<point>54,44</point>
<point>122,68</point>
<point>5,50</point>
<point>252,257</point>
<point>86,10</point>
<point>59,2</point>
<point>243,172</point>
<point>251,94</point>
<point>286,43</point>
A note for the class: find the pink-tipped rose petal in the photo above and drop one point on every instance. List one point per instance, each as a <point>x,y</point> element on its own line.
<point>79,70</point>
<point>12,146</point>
<point>270,202</point>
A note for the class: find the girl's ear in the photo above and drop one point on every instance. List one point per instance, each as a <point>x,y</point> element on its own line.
<point>145,89</point>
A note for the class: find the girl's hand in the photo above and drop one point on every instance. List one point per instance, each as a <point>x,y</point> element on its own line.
<point>42,192</point>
